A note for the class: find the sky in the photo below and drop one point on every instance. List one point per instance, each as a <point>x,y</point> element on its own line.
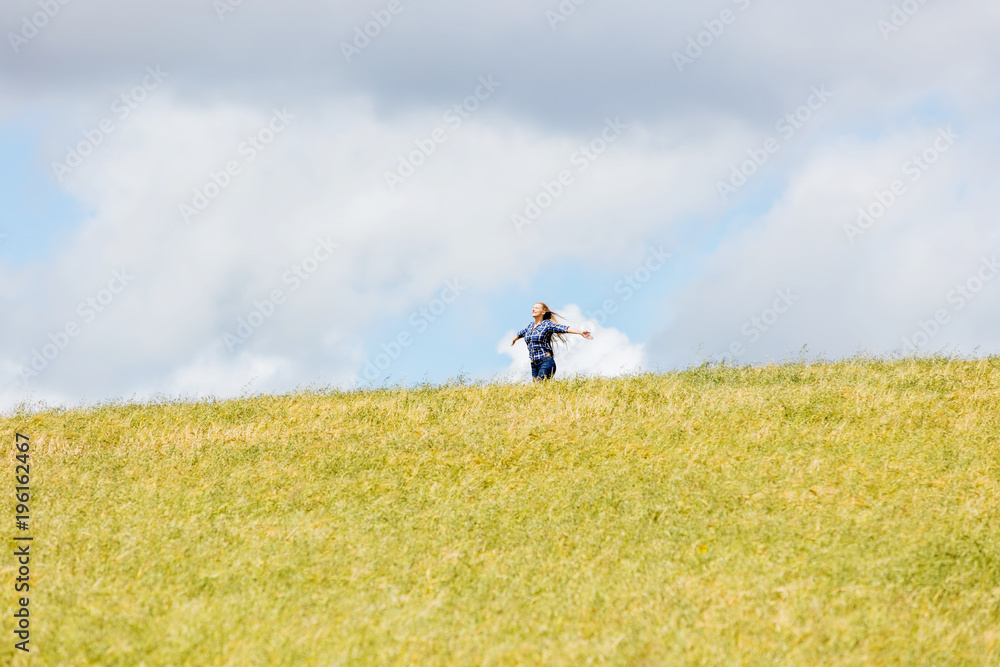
<point>223,197</point>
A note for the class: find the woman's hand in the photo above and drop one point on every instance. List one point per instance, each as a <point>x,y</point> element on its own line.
<point>586,334</point>
<point>512,342</point>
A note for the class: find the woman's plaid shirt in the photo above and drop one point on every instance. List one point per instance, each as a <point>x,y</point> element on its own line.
<point>539,337</point>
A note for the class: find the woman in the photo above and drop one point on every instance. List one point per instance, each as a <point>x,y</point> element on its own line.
<point>538,336</point>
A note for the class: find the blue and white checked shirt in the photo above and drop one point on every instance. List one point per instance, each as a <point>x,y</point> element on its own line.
<point>539,337</point>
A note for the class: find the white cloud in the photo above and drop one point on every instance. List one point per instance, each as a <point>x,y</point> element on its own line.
<point>847,296</point>
<point>322,178</point>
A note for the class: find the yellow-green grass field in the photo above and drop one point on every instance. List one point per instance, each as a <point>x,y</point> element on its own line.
<point>840,513</point>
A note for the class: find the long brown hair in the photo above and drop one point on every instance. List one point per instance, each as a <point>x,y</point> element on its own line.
<point>550,314</point>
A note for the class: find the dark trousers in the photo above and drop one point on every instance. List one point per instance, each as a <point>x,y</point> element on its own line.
<point>543,368</point>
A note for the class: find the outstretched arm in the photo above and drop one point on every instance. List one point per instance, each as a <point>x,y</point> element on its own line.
<point>520,334</point>
<point>585,334</point>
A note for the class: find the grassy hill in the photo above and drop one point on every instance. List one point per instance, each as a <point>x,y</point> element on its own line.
<point>801,514</point>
